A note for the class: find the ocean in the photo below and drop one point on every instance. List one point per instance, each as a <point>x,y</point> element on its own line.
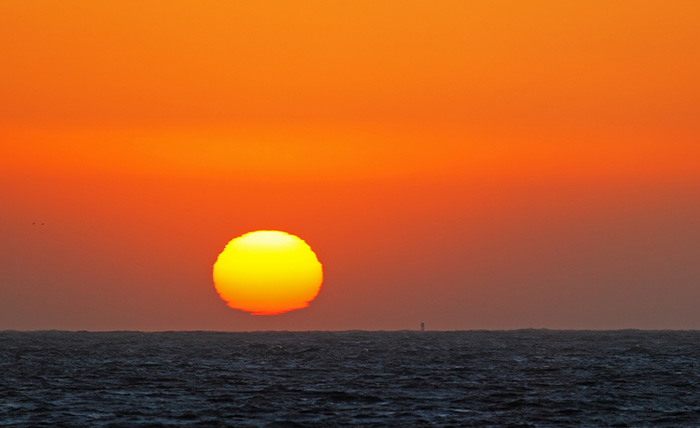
<point>522,378</point>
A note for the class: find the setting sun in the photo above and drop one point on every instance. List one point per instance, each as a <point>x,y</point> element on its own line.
<point>267,272</point>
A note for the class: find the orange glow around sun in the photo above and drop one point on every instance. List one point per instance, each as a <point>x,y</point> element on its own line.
<point>267,272</point>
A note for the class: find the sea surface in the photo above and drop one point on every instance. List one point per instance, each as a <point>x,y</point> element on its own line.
<point>523,378</point>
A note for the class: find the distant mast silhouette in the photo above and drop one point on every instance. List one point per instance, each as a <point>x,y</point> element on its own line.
<point>422,326</point>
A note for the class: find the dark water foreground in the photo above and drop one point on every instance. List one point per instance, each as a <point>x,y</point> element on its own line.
<point>472,378</point>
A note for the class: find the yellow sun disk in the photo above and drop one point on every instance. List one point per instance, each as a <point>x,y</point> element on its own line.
<point>267,272</point>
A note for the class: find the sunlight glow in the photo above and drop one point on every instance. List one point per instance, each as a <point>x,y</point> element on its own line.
<point>267,272</point>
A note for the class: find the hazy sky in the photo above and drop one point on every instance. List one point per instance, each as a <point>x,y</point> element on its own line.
<point>467,164</point>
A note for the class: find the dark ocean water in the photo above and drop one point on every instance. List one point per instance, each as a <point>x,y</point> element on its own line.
<point>470,378</point>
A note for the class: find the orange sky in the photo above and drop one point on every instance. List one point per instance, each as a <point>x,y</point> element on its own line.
<point>492,164</point>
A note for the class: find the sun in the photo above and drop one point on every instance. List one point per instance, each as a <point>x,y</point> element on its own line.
<point>267,272</point>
